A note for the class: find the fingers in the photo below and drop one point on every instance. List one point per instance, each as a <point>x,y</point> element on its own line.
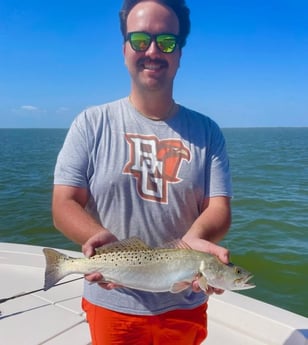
<point>222,253</point>
<point>98,240</point>
<point>109,286</point>
<point>88,249</point>
<point>195,286</point>
<point>209,290</point>
<point>218,291</point>
<point>96,277</point>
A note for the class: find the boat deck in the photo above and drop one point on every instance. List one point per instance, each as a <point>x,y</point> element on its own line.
<point>54,317</point>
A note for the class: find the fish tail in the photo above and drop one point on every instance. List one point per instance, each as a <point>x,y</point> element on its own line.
<point>55,267</point>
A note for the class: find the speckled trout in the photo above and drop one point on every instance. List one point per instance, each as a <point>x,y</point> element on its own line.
<point>133,264</point>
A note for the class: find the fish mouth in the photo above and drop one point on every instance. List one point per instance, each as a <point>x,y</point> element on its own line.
<point>243,283</point>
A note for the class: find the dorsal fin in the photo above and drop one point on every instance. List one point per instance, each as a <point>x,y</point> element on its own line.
<point>131,244</point>
<point>175,244</point>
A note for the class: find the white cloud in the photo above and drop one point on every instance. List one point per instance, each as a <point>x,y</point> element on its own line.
<point>62,110</point>
<point>29,108</point>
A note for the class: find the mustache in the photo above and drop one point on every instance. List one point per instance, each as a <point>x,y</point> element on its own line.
<point>143,61</point>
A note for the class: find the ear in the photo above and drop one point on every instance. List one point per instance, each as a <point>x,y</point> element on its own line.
<point>180,56</point>
<point>124,52</point>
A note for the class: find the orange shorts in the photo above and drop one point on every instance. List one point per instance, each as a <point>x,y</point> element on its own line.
<point>177,327</point>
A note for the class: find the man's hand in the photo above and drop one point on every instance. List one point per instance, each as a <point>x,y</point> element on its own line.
<point>211,248</point>
<point>88,249</point>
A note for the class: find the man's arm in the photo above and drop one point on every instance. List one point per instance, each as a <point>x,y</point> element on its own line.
<point>70,217</point>
<point>210,227</point>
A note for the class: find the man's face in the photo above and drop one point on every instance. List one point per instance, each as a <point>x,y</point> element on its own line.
<point>152,69</point>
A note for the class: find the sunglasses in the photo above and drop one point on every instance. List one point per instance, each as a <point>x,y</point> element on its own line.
<point>140,41</point>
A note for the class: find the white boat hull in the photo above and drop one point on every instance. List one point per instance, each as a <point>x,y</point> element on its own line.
<point>54,317</point>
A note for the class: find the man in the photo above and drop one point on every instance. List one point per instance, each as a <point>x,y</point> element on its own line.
<point>145,166</point>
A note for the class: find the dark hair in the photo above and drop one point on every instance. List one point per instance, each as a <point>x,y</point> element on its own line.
<point>178,6</point>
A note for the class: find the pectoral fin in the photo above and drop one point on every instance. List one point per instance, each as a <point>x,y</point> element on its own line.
<point>202,283</point>
<point>179,286</point>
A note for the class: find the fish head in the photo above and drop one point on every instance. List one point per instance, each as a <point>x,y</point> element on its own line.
<point>227,277</point>
<point>237,278</point>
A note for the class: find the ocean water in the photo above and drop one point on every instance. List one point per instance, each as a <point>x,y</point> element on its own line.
<point>269,234</point>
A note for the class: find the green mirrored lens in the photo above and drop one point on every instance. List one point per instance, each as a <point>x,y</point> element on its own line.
<point>140,41</point>
<point>166,43</point>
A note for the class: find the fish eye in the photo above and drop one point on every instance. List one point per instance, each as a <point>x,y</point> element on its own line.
<point>237,270</point>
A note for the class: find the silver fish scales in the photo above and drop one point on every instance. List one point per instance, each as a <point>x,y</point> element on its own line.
<point>133,264</point>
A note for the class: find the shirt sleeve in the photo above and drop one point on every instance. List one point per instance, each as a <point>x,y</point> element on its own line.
<point>218,175</point>
<point>72,166</point>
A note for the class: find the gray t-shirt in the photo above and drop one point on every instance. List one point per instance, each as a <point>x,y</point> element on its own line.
<point>147,179</point>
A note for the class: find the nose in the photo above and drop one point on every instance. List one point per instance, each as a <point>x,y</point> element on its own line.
<point>153,49</point>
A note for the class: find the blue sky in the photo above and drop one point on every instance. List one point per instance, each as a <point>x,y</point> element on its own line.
<point>245,63</point>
